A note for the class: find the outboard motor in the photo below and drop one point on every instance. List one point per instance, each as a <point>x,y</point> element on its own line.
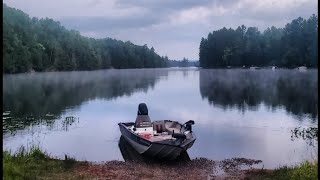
<point>142,109</point>
<point>143,120</point>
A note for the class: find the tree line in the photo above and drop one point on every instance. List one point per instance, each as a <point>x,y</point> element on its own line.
<point>182,63</point>
<point>32,44</point>
<point>294,45</point>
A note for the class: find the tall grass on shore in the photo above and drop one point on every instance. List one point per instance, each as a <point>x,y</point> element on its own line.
<point>32,164</point>
<point>307,170</point>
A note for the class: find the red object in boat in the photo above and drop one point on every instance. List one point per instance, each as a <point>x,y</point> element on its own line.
<point>147,136</point>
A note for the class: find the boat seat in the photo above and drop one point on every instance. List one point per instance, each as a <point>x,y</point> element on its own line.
<point>173,127</point>
<point>159,126</point>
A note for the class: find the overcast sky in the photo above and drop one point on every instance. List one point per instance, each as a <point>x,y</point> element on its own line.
<point>173,27</point>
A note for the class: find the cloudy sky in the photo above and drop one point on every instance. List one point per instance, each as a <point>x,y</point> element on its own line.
<point>173,27</point>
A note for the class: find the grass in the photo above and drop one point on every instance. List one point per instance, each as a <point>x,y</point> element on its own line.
<point>35,164</point>
<point>305,171</point>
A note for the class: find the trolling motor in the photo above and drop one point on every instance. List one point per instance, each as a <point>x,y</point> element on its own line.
<point>188,125</point>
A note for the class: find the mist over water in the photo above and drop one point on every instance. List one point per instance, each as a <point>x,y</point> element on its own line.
<point>238,113</point>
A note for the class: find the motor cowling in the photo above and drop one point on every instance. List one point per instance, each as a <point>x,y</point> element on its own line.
<point>143,120</point>
<point>142,109</point>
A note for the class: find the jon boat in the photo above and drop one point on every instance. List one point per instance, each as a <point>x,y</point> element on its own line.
<point>130,154</point>
<point>158,139</point>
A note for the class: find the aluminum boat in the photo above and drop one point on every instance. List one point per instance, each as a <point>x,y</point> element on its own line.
<point>158,139</point>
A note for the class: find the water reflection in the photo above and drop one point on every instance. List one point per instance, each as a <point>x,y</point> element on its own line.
<point>310,135</point>
<point>242,89</point>
<point>102,99</point>
<point>130,154</point>
<point>42,97</point>
<point>69,121</point>
<point>11,122</point>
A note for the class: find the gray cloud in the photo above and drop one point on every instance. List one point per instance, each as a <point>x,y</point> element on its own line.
<point>174,5</point>
<point>110,23</point>
<point>276,16</point>
<point>163,4</point>
<point>94,3</point>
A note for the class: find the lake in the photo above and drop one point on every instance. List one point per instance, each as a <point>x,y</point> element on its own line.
<point>237,112</point>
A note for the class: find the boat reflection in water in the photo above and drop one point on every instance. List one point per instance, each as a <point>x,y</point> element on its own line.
<point>130,154</point>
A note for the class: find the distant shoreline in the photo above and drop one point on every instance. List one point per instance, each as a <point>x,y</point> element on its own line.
<point>30,72</point>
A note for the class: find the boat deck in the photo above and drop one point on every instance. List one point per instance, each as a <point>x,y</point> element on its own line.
<point>147,133</point>
<point>160,138</point>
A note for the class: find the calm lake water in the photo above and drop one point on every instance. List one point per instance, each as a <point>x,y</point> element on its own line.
<point>238,113</point>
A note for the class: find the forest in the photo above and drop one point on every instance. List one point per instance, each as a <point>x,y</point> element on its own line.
<point>32,44</point>
<point>292,46</point>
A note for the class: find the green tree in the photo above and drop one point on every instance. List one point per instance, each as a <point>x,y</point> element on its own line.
<point>294,45</point>
<point>45,45</point>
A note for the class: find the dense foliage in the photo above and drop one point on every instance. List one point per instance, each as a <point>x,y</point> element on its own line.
<point>294,45</point>
<point>45,45</point>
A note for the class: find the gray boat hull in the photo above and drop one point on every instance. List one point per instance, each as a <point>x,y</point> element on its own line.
<point>155,149</point>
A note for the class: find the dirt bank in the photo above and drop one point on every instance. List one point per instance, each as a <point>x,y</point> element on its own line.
<point>37,165</point>
<point>195,169</point>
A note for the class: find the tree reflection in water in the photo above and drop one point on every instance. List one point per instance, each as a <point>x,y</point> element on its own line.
<point>41,98</point>
<point>296,91</point>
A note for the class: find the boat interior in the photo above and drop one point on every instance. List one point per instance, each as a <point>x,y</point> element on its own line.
<point>160,130</point>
